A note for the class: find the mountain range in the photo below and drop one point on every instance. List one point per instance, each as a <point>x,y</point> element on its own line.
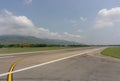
<point>15,39</point>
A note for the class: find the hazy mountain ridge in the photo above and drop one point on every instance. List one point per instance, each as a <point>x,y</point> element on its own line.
<point>15,39</point>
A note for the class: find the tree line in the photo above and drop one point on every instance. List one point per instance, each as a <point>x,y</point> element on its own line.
<point>39,45</point>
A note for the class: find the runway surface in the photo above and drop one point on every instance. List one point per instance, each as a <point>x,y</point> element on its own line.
<point>83,64</point>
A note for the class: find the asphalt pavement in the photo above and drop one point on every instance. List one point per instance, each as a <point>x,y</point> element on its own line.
<point>71,65</point>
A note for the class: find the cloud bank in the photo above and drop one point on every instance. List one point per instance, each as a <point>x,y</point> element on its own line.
<point>11,24</point>
<point>107,18</point>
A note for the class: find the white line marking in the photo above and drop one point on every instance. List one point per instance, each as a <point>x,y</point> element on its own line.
<point>42,64</point>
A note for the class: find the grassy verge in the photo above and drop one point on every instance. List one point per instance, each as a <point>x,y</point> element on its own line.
<point>20,50</point>
<point>112,51</point>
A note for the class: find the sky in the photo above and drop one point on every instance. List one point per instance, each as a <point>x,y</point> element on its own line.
<point>83,21</point>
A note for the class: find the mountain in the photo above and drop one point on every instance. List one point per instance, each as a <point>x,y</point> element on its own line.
<point>15,39</point>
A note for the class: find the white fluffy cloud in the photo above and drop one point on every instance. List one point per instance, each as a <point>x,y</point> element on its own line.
<point>28,1</point>
<point>108,18</point>
<point>78,22</point>
<point>74,22</point>
<point>83,19</point>
<point>21,25</point>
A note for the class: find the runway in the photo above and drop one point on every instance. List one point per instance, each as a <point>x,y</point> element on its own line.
<point>67,65</point>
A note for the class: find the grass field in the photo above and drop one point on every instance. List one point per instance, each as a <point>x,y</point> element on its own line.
<point>20,50</point>
<point>112,51</point>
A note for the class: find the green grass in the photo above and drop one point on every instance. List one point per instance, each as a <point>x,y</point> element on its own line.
<point>20,50</point>
<point>112,51</point>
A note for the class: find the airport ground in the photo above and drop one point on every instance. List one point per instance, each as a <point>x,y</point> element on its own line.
<point>83,64</point>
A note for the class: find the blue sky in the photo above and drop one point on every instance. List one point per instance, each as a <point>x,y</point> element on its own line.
<point>84,21</point>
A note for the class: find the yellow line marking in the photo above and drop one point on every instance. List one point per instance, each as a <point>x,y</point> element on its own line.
<point>10,75</point>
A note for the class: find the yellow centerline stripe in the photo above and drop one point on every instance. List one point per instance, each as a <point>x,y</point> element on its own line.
<point>10,75</point>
